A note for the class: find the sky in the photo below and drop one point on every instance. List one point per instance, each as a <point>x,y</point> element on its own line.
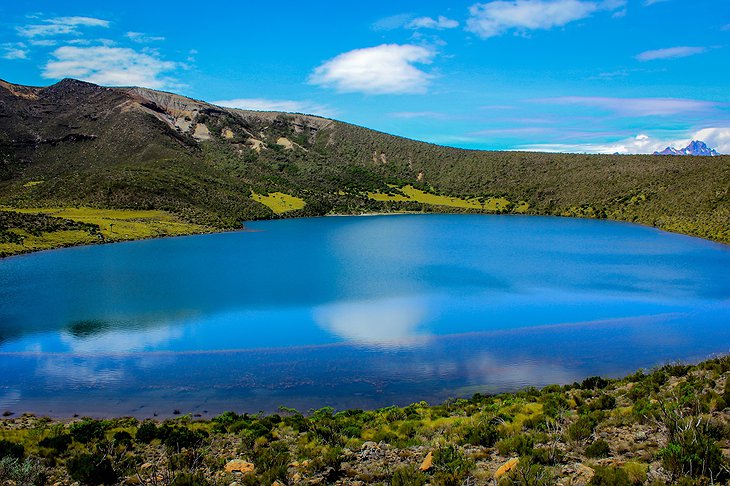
<point>593,76</point>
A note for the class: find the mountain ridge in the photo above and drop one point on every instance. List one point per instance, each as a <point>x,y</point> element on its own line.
<point>76,144</point>
<point>696,148</point>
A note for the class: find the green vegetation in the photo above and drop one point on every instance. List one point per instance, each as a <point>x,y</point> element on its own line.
<point>279,202</point>
<point>670,425</point>
<point>29,229</point>
<point>137,159</point>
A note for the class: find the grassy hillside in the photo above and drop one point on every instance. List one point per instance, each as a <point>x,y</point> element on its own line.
<point>670,425</point>
<point>74,144</point>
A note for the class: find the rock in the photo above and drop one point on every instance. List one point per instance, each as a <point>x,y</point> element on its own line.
<point>506,467</point>
<point>583,474</point>
<point>239,466</point>
<point>277,483</point>
<point>427,463</point>
<point>368,445</point>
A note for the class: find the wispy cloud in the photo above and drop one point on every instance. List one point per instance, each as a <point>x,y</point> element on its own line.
<point>498,17</point>
<point>648,3</point>
<point>432,115</point>
<point>670,53</point>
<point>60,26</point>
<point>142,38</point>
<point>439,23</point>
<point>392,22</point>
<point>117,66</point>
<point>16,50</point>
<point>635,106</point>
<point>384,69</point>
<point>263,104</point>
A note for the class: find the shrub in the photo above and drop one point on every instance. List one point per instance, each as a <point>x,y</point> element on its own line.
<point>603,402</point>
<point>91,469</point>
<point>188,479</point>
<point>177,438</point>
<point>58,443</point>
<point>521,444</point>
<point>408,476</point>
<point>450,465</point>
<point>527,473</point>
<point>271,463</point>
<point>11,449</point>
<point>484,434</point>
<point>581,429</point>
<point>598,449</point>
<point>610,476</point>
<point>554,404</point>
<point>594,382</point>
<point>27,472</point>
<point>146,432</point>
<point>636,472</point>
<point>87,430</point>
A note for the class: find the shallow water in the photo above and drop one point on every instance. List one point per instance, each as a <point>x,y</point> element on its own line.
<point>352,312</point>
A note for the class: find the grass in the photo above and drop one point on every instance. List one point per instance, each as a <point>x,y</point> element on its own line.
<point>411,194</point>
<point>113,224</point>
<point>279,202</point>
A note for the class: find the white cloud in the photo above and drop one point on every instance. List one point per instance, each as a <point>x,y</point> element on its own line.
<point>652,2</point>
<point>382,322</point>
<point>495,18</point>
<point>115,66</point>
<point>384,69</point>
<point>142,38</point>
<point>635,106</point>
<point>439,23</point>
<point>670,53</point>
<point>60,26</point>
<point>263,104</point>
<point>716,137</point>
<point>14,51</point>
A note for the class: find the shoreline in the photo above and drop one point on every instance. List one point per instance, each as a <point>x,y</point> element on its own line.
<point>368,214</point>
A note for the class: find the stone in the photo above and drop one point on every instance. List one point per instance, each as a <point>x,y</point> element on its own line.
<point>239,466</point>
<point>506,467</point>
<point>427,463</point>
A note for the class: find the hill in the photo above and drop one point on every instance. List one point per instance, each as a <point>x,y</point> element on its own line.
<point>88,154</point>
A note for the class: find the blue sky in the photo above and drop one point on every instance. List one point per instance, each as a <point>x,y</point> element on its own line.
<point>627,76</point>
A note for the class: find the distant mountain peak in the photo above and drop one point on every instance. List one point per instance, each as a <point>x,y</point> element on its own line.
<point>695,148</point>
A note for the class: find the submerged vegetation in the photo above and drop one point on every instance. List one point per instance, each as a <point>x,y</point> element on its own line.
<point>669,425</point>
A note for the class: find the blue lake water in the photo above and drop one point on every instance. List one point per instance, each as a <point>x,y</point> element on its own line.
<point>352,312</point>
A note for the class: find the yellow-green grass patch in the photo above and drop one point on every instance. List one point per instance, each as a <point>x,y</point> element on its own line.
<point>279,202</point>
<point>114,225</point>
<point>32,183</point>
<point>410,193</point>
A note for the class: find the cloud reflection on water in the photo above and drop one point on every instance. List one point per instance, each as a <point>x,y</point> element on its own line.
<point>378,322</point>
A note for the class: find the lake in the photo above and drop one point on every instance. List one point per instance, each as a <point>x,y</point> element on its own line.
<point>352,312</point>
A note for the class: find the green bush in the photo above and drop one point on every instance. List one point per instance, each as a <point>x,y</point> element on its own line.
<point>408,476</point>
<point>87,430</point>
<point>11,449</point>
<point>271,463</point>
<point>598,449</point>
<point>581,429</point>
<point>610,476</point>
<point>484,434</point>
<point>91,469</point>
<point>58,443</point>
<point>29,472</point>
<point>527,473</point>
<point>189,479</point>
<point>450,466</point>
<point>146,432</point>
<point>521,444</point>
